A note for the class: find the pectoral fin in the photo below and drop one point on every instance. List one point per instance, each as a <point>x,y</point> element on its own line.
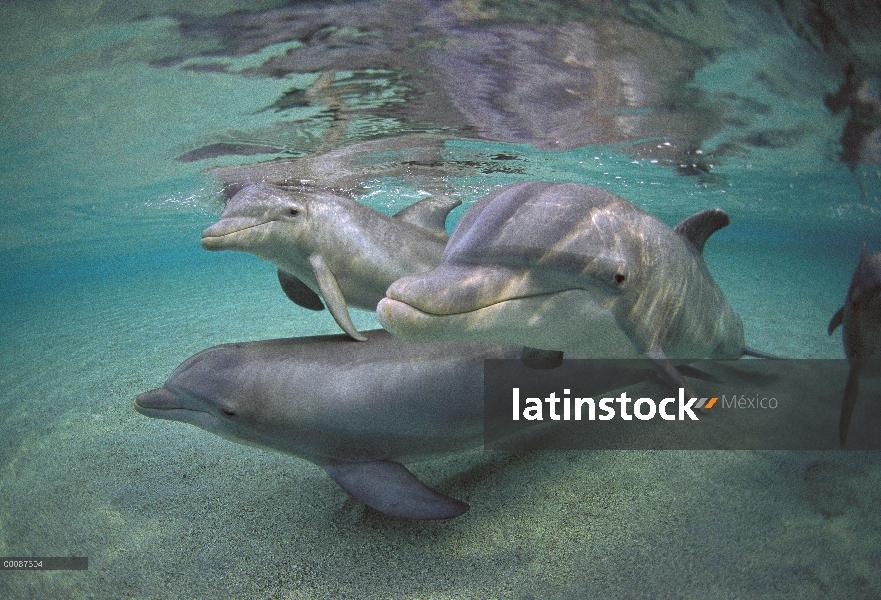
<point>662,364</point>
<point>390,488</point>
<point>298,292</point>
<point>836,320</point>
<point>851,390</point>
<point>333,296</point>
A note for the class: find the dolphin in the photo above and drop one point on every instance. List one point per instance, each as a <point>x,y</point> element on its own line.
<point>420,158</point>
<point>325,244</point>
<point>860,318</point>
<point>572,268</point>
<point>353,409</point>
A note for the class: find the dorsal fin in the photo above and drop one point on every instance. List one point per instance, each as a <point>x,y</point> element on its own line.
<point>541,359</point>
<point>700,226</point>
<point>430,213</point>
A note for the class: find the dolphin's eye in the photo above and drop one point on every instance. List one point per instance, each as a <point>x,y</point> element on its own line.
<point>227,412</point>
<point>619,278</point>
<point>293,212</point>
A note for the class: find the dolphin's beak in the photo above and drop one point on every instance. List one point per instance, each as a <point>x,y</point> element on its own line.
<point>163,403</point>
<point>457,289</point>
<point>402,320</point>
<point>215,236</point>
<point>450,300</point>
<point>160,399</point>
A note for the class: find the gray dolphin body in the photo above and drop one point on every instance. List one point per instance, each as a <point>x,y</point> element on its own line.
<point>860,318</point>
<point>328,245</point>
<point>353,409</point>
<point>573,268</point>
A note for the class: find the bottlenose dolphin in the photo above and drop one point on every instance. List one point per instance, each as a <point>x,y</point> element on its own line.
<point>421,158</point>
<point>861,332</point>
<point>573,268</point>
<point>330,245</point>
<point>353,409</point>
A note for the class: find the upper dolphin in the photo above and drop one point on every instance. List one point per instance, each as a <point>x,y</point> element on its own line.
<point>330,245</point>
<point>574,268</point>
<point>861,332</point>
<point>354,409</point>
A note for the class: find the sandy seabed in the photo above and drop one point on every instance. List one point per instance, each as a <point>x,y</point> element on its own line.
<point>164,509</point>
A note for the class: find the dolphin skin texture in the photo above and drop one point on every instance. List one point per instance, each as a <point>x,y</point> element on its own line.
<point>860,318</point>
<point>330,246</point>
<point>354,409</point>
<point>572,268</point>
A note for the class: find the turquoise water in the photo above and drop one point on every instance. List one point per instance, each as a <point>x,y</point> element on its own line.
<point>104,290</point>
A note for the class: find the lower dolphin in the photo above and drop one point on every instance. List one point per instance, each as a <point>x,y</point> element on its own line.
<point>353,409</point>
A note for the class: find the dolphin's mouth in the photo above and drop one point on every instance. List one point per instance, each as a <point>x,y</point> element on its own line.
<point>172,414</point>
<point>151,411</point>
<point>567,320</point>
<point>214,236</point>
<point>405,320</point>
<point>164,404</point>
<point>412,324</point>
<point>159,401</point>
<point>452,289</point>
<point>439,312</point>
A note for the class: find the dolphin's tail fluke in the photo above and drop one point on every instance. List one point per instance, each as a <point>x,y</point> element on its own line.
<point>747,351</point>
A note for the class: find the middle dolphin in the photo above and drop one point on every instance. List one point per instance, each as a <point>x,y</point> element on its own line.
<point>573,268</point>
<point>326,244</point>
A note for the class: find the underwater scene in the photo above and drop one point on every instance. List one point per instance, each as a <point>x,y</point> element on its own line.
<point>244,182</point>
